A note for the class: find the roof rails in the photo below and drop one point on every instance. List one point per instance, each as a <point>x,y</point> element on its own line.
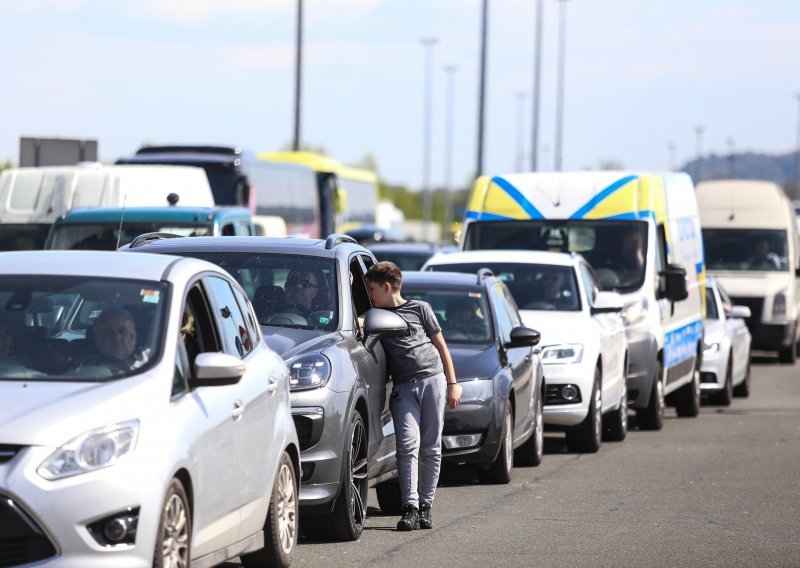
<point>150,237</point>
<point>337,238</point>
<point>483,274</point>
<point>226,150</point>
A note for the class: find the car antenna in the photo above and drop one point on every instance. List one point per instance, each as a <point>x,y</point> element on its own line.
<point>121,218</point>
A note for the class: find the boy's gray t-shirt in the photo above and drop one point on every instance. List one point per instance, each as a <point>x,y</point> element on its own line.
<point>412,355</point>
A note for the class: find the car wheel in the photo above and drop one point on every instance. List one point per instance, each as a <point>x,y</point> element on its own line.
<point>723,397</point>
<point>280,528</point>
<point>743,389</point>
<point>501,469</point>
<point>687,399</point>
<point>531,452</point>
<point>587,436</point>
<point>346,521</point>
<point>652,416</point>
<point>174,537</point>
<point>389,498</point>
<point>615,425</point>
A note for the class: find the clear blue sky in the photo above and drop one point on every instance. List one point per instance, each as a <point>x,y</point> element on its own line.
<point>639,75</point>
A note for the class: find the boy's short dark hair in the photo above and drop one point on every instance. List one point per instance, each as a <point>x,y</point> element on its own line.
<point>385,271</point>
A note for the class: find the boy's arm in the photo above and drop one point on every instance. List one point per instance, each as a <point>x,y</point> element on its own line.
<point>453,388</point>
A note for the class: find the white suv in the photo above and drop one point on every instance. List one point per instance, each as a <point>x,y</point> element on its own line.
<point>144,420</point>
<point>584,349</point>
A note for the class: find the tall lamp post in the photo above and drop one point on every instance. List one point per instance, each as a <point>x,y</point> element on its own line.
<point>450,71</point>
<point>428,43</point>
<point>482,88</point>
<point>519,162</point>
<point>562,42</point>
<point>298,77</point>
<point>731,158</point>
<point>537,82</point>
<point>698,130</point>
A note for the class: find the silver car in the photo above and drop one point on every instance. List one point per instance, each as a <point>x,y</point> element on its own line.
<point>725,371</point>
<point>143,421</point>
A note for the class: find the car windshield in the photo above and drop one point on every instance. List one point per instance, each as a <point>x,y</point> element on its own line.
<point>745,249</point>
<point>23,236</point>
<point>78,328</point>
<point>285,290</point>
<point>617,250</point>
<point>107,236</point>
<point>533,286</point>
<point>463,314</point>
<point>711,305</point>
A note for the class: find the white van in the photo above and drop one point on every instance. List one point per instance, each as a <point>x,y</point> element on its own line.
<point>32,198</point>
<point>641,234</point>
<point>751,244</point>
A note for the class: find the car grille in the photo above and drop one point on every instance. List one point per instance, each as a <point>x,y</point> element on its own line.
<point>756,306</point>
<point>22,541</point>
<point>304,428</point>
<point>552,393</point>
<point>7,452</point>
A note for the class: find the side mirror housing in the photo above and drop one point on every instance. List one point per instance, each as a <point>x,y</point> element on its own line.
<point>217,369</point>
<point>740,312</point>
<point>606,303</point>
<point>672,283</point>
<point>382,323</point>
<point>524,337</point>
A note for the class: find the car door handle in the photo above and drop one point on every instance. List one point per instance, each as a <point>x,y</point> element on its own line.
<point>528,358</point>
<point>238,409</point>
<point>272,385</point>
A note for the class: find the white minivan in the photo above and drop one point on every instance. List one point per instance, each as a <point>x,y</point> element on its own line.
<point>32,198</point>
<point>751,245</point>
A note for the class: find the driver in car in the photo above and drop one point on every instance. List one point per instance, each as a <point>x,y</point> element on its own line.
<point>114,336</point>
<point>302,289</point>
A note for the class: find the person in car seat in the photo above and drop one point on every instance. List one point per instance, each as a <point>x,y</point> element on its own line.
<point>114,340</point>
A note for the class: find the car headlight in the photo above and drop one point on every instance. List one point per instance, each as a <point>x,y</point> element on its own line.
<point>635,312</point>
<point>91,451</point>
<point>779,305</point>
<point>562,354</point>
<point>710,348</point>
<point>309,372</point>
<point>476,389</point>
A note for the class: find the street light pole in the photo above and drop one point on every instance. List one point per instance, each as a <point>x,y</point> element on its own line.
<point>426,136</point>
<point>698,130</point>
<point>562,42</point>
<point>731,158</point>
<point>519,162</point>
<point>671,148</point>
<point>450,71</point>
<point>298,77</point>
<point>537,82</point>
<point>482,88</point>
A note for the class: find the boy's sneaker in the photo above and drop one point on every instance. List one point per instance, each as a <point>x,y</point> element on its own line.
<point>410,520</point>
<point>425,517</point>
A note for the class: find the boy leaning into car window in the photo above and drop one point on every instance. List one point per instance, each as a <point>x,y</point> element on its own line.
<point>423,378</point>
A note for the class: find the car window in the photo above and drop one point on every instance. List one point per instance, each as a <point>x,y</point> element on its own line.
<point>711,304</point>
<point>504,321</point>
<point>358,287</point>
<point>236,340</point>
<point>462,314</point>
<point>180,380</point>
<point>198,331</point>
<point>588,283</point>
<point>249,317</point>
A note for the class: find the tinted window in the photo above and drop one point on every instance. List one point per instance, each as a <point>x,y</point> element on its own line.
<point>236,338</point>
<point>711,305</point>
<point>463,314</point>
<point>745,249</point>
<point>108,236</point>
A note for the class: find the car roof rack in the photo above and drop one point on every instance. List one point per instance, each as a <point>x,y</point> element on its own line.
<point>484,273</point>
<point>150,237</point>
<point>338,238</point>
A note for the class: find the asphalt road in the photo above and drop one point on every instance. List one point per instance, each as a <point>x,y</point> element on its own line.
<point>721,489</point>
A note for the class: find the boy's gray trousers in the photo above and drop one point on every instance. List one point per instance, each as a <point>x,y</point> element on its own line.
<point>418,415</point>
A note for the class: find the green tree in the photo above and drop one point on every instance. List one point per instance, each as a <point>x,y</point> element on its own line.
<point>6,165</point>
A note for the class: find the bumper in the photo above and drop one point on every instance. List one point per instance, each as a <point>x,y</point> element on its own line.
<point>713,371</point>
<point>642,359</point>
<point>61,510</point>
<point>473,417</point>
<point>568,414</point>
<point>319,416</point>
<point>772,337</point>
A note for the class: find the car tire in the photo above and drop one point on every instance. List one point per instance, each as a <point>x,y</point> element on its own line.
<point>652,416</point>
<point>500,471</point>
<point>724,397</point>
<point>742,390</point>
<point>687,399</point>
<point>174,538</point>
<point>389,498</point>
<point>346,521</point>
<point>280,527</point>
<point>587,436</point>
<point>531,452</point>
<point>615,424</point>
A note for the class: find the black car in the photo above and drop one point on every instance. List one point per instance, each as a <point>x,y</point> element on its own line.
<point>499,420</point>
<point>338,378</point>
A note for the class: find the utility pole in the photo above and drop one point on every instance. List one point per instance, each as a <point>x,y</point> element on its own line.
<point>671,148</point>
<point>519,161</point>
<point>428,43</point>
<point>731,159</point>
<point>797,155</point>
<point>450,71</point>
<point>482,88</point>
<point>562,43</point>
<point>698,130</point>
<point>537,83</point>
<point>298,74</point>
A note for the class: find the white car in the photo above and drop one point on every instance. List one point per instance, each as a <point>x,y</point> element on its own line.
<point>143,421</point>
<point>725,371</point>
<point>583,344</point>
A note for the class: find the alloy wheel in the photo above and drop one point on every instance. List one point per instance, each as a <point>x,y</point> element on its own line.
<point>286,509</point>
<point>358,473</point>
<point>175,543</point>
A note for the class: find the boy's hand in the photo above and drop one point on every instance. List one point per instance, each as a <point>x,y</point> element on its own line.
<point>453,395</point>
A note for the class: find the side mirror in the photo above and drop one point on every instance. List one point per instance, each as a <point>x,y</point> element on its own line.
<point>382,323</point>
<point>606,303</point>
<point>740,312</point>
<point>217,369</point>
<point>672,283</point>
<point>524,337</point>
<point>797,272</point>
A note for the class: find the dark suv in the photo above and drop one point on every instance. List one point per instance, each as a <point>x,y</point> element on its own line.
<point>310,298</point>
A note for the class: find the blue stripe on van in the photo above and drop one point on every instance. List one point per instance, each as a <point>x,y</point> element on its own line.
<point>681,344</point>
<point>633,216</point>
<point>580,213</point>
<point>520,199</point>
<point>699,267</point>
<point>482,216</point>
